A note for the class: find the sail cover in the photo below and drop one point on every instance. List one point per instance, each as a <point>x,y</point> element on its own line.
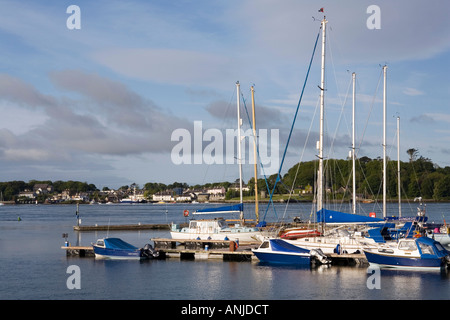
<point>330,216</point>
<point>116,243</point>
<point>225,209</point>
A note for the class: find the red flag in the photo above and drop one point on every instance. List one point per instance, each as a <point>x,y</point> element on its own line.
<point>321,10</point>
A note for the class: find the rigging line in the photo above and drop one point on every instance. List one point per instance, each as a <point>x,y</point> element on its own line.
<point>331,150</point>
<point>339,120</point>
<point>370,111</point>
<point>302,154</point>
<point>292,127</point>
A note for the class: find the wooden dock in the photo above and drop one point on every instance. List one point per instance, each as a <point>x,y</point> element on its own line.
<point>122,227</point>
<point>81,251</point>
<point>213,249</point>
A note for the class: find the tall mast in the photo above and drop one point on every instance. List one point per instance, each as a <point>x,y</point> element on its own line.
<point>322,96</point>
<point>238,86</point>
<point>384,141</point>
<point>255,155</point>
<point>398,169</point>
<point>353,143</point>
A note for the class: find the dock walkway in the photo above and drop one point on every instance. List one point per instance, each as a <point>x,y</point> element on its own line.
<point>137,226</point>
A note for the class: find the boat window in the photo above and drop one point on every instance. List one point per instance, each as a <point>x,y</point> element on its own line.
<point>407,245</point>
<point>193,224</point>
<point>425,248</point>
<point>100,243</point>
<point>439,246</point>
<point>222,224</point>
<point>265,244</point>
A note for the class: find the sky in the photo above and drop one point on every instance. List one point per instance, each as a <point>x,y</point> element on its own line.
<point>103,103</point>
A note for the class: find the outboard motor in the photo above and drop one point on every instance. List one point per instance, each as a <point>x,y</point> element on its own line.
<point>319,256</point>
<point>447,260</point>
<point>149,251</point>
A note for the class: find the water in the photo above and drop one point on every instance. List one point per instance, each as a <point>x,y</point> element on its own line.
<point>33,265</point>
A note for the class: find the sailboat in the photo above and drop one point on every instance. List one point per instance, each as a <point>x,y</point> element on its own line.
<point>219,228</point>
<point>338,240</point>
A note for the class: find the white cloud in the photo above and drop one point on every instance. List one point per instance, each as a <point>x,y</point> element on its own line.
<point>180,67</point>
<point>413,92</point>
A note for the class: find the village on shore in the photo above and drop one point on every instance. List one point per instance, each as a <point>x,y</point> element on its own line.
<point>46,194</point>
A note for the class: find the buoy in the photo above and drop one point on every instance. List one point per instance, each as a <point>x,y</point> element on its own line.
<point>19,219</point>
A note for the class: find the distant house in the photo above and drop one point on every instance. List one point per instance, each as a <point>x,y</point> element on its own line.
<point>203,197</point>
<point>236,187</point>
<point>218,190</point>
<point>307,190</point>
<point>163,196</point>
<point>185,197</point>
<point>27,194</point>
<point>41,188</point>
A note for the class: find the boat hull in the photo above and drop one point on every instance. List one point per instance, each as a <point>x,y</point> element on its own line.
<point>277,251</point>
<point>280,258</point>
<point>118,254</point>
<point>300,233</point>
<point>399,262</point>
<point>233,236</point>
<point>330,245</point>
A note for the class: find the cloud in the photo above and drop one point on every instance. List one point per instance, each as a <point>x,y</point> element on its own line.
<point>412,92</point>
<point>432,118</point>
<point>265,117</point>
<point>104,118</point>
<point>406,33</point>
<point>180,67</point>
<point>423,118</point>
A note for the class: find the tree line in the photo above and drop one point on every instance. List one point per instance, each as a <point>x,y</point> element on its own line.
<point>11,189</point>
<point>419,177</point>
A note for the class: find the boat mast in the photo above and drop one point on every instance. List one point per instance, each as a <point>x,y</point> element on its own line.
<point>238,86</point>
<point>322,96</point>
<point>398,169</point>
<point>384,141</point>
<point>353,143</point>
<point>255,155</point>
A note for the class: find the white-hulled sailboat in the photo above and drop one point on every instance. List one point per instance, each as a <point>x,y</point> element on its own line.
<point>219,228</point>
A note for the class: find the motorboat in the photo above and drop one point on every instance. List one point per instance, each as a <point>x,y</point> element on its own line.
<point>420,253</point>
<point>116,248</point>
<point>278,251</point>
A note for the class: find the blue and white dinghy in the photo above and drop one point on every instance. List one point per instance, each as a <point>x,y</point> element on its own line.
<point>278,251</point>
<point>115,248</point>
<point>415,254</point>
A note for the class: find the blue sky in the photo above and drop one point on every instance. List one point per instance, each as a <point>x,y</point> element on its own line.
<point>99,104</point>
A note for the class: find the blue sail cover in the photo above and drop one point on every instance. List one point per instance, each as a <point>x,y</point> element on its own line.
<point>282,246</point>
<point>234,208</point>
<point>330,216</point>
<point>116,243</point>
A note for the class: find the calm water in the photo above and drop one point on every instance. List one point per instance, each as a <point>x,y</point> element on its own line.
<point>33,265</point>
